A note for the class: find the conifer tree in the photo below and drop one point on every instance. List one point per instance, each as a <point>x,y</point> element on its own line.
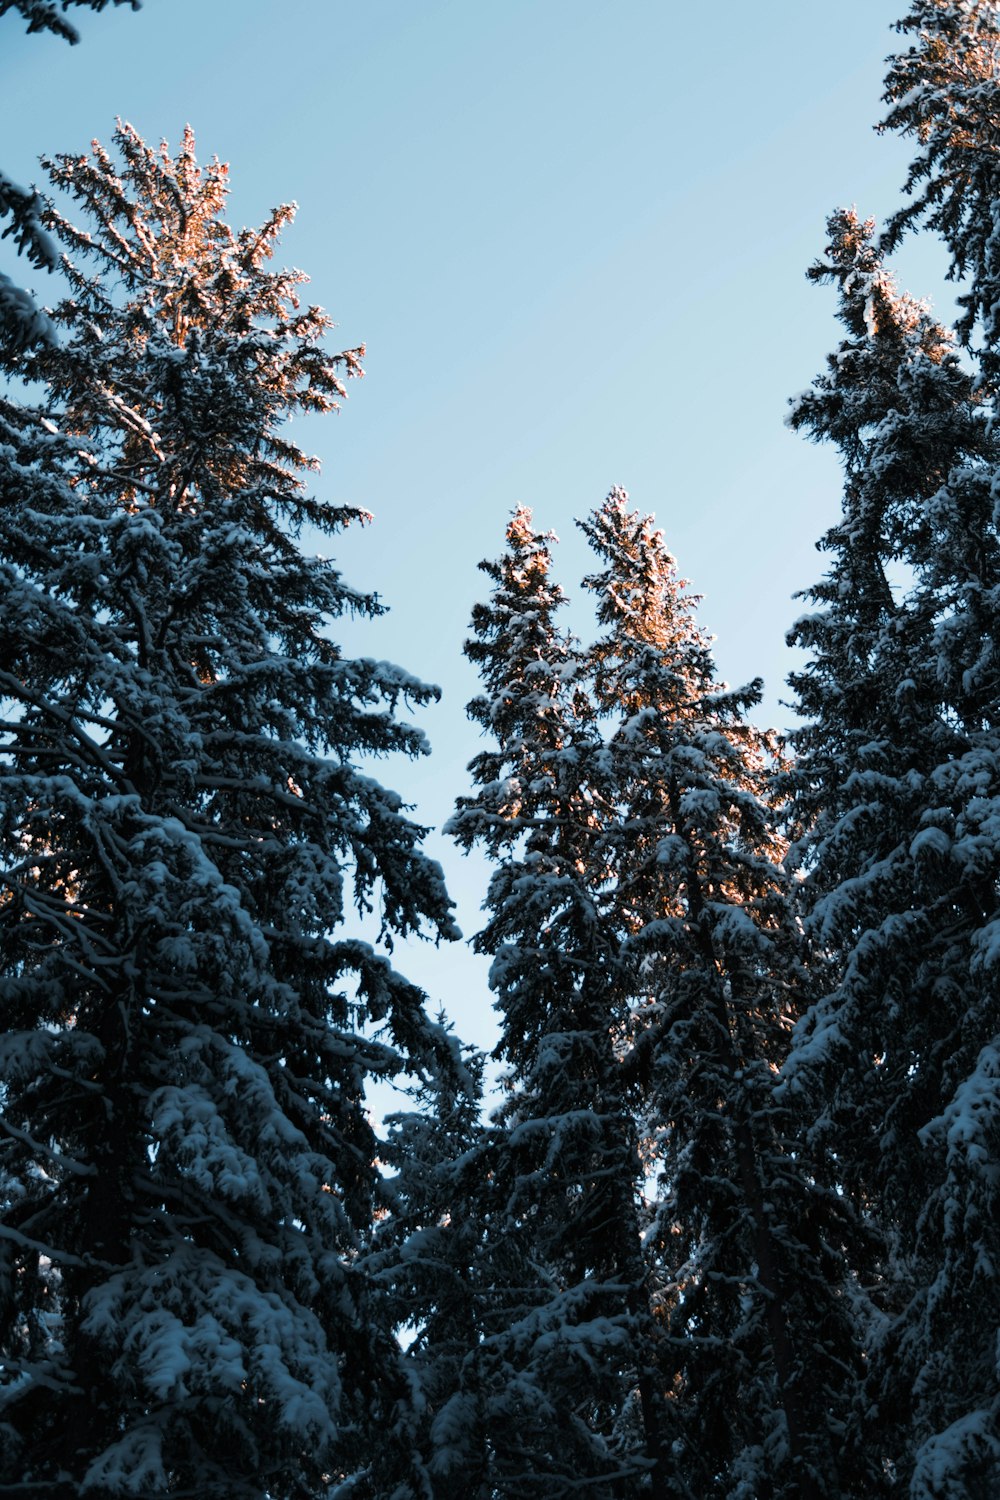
<point>896,797</point>
<point>566,1159</point>
<point>187,1175</point>
<point>757,1351</point>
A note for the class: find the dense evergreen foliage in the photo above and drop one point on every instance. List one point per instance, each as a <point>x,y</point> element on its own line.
<point>889,774</point>
<point>743,1247</point>
<point>896,778</point>
<point>733,1231</point>
<point>187,1163</point>
<point>646,967</point>
<point>567,1157</point>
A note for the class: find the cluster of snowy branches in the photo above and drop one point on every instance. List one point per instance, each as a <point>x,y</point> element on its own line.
<point>734,1231</point>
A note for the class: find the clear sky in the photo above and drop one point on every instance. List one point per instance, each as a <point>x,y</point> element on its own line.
<point>573,235</point>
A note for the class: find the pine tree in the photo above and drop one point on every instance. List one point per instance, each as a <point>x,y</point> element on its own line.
<point>566,1160</point>
<point>757,1352</point>
<point>21,321</point>
<point>896,799</point>
<point>187,1169</point>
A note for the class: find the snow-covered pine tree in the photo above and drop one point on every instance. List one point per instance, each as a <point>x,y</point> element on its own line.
<point>565,1159</point>
<point>21,322</point>
<point>757,1345</point>
<point>186,1163</point>
<point>896,798</point>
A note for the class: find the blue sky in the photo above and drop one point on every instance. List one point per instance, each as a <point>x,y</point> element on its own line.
<point>573,236</point>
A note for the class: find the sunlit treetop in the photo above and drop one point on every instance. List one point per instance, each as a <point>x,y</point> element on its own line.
<point>170,279</point>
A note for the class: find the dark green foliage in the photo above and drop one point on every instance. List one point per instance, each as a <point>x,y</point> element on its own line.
<point>647,972</point>
<point>566,1167</point>
<point>187,1168</point>
<point>757,1348</point>
<point>895,794</point>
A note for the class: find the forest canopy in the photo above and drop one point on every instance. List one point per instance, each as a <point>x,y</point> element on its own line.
<point>728,1228</point>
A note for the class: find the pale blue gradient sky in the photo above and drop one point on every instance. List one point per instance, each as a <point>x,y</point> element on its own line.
<point>573,236</point>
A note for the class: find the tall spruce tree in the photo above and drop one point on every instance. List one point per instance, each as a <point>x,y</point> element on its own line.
<point>896,795</point>
<point>565,1157</point>
<point>945,91</point>
<point>757,1348</point>
<point>187,1169</point>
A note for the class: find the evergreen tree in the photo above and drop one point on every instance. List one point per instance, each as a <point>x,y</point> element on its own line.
<point>21,322</point>
<point>566,1162</point>
<point>187,1169</point>
<point>896,796</point>
<point>757,1351</point>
